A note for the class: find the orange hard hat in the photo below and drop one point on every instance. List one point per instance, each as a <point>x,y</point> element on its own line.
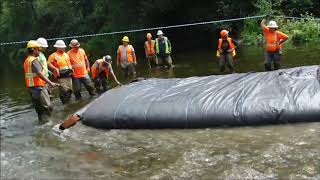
<point>223,33</point>
<point>149,36</point>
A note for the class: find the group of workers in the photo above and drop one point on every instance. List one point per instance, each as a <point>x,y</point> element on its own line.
<point>157,53</point>
<point>273,38</point>
<point>70,70</point>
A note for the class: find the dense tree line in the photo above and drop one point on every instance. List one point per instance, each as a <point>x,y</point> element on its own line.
<point>29,19</point>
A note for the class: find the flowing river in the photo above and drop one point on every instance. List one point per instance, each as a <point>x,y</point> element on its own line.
<point>32,151</point>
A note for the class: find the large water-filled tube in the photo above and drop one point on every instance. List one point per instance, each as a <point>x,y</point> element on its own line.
<point>283,96</point>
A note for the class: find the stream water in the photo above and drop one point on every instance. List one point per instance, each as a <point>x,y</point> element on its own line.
<point>33,151</point>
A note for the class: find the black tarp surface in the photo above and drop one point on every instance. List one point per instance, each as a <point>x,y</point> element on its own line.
<point>283,96</point>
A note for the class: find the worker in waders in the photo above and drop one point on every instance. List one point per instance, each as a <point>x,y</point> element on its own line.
<point>274,40</point>
<point>226,52</point>
<point>36,81</point>
<point>163,50</point>
<point>150,51</point>
<point>81,67</point>
<point>126,58</point>
<point>100,73</point>
<point>42,58</point>
<point>60,65</point>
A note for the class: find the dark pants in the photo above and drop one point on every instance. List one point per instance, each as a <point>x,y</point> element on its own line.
<point>41,102</point>
<point>101,82</point>
<point>165,61</point>
<point>152,60</point>
<point>128,69</point>
<point>65,89</point>
<point>86,81</point>
<point>272,57</point>
<point>226,60</point>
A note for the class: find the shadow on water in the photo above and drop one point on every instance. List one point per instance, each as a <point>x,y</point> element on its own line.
<point>29,150</point>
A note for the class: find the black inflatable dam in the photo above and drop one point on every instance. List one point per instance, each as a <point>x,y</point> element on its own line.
<point>283,96</point>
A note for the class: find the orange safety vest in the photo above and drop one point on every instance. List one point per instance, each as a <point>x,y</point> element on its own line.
<point>271,42</point>
<point>60,62</point>
<point>96,71</point>
<point>129,49</point>
<point>78,62</point>
<point>231,45</point>
<point>150,47</point>
<point>31,78</point>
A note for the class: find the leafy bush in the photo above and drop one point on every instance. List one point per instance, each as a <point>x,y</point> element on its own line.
<point>301,30</point>
<point>251,33</point>
<point>306,30</point>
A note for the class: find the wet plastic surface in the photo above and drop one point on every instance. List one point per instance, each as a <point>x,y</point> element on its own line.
<point>283,96</point>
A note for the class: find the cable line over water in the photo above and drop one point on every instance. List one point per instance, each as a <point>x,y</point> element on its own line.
<point>156,28</point>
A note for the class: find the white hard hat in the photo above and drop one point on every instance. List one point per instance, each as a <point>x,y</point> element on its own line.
<point>159,33</point>
<point>60,44</point>
<point>272,24</point>
<point>74,43</point>
<point>107,58</point>
<point>43,42</point>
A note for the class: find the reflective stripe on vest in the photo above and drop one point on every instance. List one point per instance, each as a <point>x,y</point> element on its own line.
<point>62,62</point>
<point>168,49</point>
<point>231,46</point>
<point>78,62</point>
<point>150,47</point>
<point>100,63</point>
<point>44,63</point>
<point>96,71</point>
<point>32,79</point>
<point>274,40</point>
<point>129,53</point>
<point>271,47</point>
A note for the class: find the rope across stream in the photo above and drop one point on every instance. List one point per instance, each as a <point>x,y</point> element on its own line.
<point>154,28</point>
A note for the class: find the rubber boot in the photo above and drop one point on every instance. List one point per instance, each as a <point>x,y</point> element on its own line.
<point>77,95</point>
<point>267,67</point>
<point>277,66</point>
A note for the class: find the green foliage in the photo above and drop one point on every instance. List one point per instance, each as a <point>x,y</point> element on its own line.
<point>297,7</point>
<point>307,30</point>
<point>298,30</point>
<point>264,7</point>
<point>30,19</point>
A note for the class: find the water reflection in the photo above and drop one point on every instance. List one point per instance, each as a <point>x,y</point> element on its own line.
<point>30,151</point>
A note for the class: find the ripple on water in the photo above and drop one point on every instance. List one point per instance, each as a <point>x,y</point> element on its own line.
<point>265,152</point>
<point>269,152</point>
<point>276,152</point>
<point>243,172</point>
<point>191,165</point>
<point>201,154</point>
